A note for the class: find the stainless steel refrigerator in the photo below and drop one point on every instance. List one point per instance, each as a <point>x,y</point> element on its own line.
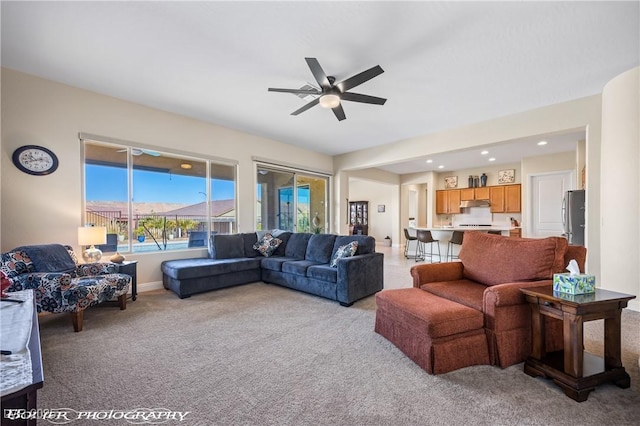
<point>573,216</point>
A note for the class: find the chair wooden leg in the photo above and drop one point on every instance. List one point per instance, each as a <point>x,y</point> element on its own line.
<point>122,302</point>
<point>76,318</point>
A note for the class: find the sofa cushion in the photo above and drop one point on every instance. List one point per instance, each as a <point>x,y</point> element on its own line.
<point>15,263</point>
<point>366,243</point>
<point>249,239</point>
<point>465,292</point>
<point>493,259</point>
<point>297,245</point>
<point>226,246</point>
<point>284,236</point>
<point>320,248</point>
<point>49,258</point>
<point>347,250</point>
<point>267,245</point>
<point>298,267</point>
<point>274,263</point>
<point>204,267</point>
<point>323,273</point>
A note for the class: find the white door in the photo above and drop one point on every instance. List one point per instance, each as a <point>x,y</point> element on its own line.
<point>547,192</point>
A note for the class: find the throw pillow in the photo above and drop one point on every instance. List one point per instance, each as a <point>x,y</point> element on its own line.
<point>267,245</point>
<point>14,263</point>
<point>347,250</point>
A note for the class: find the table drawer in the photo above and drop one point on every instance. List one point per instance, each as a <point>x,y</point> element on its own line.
<point>550,308</point>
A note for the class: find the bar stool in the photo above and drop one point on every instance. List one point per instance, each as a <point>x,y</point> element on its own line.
<point>456,239</point>
<point>406,244</point>
<point>425,237</point>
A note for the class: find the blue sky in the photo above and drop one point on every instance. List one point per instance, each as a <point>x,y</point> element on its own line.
<point>110,184</point>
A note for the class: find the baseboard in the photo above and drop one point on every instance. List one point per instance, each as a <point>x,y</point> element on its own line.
<point>154,285</point>
<point>634,305</point>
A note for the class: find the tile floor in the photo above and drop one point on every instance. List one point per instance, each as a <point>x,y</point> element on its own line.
<point>396,267</point>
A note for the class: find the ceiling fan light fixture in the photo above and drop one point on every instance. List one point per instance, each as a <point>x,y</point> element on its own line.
<point>329,100</point>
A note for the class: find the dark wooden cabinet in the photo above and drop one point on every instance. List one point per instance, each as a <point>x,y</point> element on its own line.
<point>130,267</point>
<point>359,217</point>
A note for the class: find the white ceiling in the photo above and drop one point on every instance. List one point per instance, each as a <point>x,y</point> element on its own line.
<point>446,64</point>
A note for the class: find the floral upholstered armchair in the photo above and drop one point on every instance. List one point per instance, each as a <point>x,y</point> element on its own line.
<point>60,283</point>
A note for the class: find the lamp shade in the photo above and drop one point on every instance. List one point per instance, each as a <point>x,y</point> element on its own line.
<point>90,235</point>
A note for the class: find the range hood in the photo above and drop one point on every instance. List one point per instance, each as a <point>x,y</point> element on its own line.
<point>475,203</point>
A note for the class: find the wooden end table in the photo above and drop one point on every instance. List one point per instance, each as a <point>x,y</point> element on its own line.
<point>576,371</point>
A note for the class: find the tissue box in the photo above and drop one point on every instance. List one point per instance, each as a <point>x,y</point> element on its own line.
<point>574,284</point>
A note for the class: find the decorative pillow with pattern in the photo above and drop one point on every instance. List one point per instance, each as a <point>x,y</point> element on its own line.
<point>15,263</point>
<point>267,245</point>
<point>347,250</point>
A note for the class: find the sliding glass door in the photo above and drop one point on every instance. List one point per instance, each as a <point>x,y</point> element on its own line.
<point>291,201</point>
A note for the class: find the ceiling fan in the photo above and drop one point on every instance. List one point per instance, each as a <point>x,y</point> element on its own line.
<point>139,151</point>
<point>331,93</point>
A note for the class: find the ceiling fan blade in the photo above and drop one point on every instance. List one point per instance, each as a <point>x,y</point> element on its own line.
<point>151,153</point>
<point>357,97</point>
<point>318,72</point>
<point>358,79</point>
<point>339,112</point>
<point>295,91</point>
<point>306,107</point>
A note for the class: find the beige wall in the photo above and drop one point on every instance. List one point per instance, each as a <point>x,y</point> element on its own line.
<point>381,224</point>
<point>47,209</point>
<point>620,185</point>
<point>490,171</point>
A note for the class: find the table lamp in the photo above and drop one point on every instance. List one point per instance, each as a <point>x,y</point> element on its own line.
<point>88,236</point>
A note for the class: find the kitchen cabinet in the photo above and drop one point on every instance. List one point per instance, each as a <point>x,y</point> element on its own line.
<point>515,233</point>
<point>469,194</point>
<point>359,217</point>
<point>448,201</point>
<point>512,197</point>
<point>496,198</point>
<point>505,199</point>
<point>481,193</point>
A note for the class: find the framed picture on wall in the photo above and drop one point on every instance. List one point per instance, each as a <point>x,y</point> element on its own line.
<point>451,182</point>
<point>507,176</point>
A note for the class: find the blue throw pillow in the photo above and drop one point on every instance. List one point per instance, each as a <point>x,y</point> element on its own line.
<point>347,250</point>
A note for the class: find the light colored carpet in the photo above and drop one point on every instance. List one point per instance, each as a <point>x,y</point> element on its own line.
<point>264,355</point>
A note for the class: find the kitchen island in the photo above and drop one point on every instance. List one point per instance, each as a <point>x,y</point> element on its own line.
<point>443,235</point>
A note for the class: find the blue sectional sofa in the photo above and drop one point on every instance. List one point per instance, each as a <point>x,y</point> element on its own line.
<point>301,261</point>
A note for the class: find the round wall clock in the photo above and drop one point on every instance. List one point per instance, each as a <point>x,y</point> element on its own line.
<point>35,160</point>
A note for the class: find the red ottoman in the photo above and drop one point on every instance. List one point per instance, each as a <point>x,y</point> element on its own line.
<point>437,334</point>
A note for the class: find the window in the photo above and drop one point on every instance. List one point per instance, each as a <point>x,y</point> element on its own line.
<point>153,200</point>
<point>291,200</point>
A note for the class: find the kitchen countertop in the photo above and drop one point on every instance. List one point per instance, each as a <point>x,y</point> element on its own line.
<point>468,228</point>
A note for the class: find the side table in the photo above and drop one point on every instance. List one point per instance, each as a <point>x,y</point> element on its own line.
<point>25,400</point>
<point>130,267</point>
<point>576,371</point>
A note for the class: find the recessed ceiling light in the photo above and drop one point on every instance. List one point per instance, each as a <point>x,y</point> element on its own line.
<point>186,166</point>
<point>441,166</point>
<point>485,152</point>
<point>492,159</point>
<point>541,143</point>
<point>429,161</point>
